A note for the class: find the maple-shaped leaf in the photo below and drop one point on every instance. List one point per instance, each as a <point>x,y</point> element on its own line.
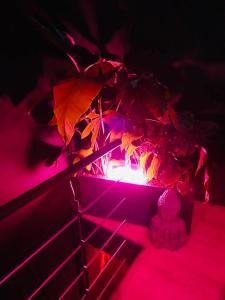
<point>72,99</point>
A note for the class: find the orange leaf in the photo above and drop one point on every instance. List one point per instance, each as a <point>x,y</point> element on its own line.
<point>76,160</point>
<point>153,169</point>
<point>127,140</point>
<point>72,99</point>
<point>92,115</point>
<point>115,135</point>
<point>88,129</point>
<point>95,133</point>
<point>83,153</point>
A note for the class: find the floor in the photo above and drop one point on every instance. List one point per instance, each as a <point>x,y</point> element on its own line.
<point>195,272</point>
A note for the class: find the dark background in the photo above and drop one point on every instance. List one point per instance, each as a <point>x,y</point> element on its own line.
<point>182,42</point>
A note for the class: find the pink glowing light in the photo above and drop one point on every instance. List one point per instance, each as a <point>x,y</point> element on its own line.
<point>126,173</point>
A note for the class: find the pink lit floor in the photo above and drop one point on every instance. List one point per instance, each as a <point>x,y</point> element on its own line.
<point>195,272</point>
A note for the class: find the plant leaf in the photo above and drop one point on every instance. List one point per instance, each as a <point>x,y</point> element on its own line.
<point>203,155</point>
<point>127,140</point>
<point>92,115</point>
<point>174,118</point>
<point>143,160</point>
<point>53,121</point>
<point>109,116</point>
<point>95,133</point>
<point>169,173</point>
<point>103,70</point>
<point>206,184</point>
<point>88,129</point>
<point>115,135</point>
<point>153,169</point>
<point>130,151</point>
<point>83,153</point>
<point>72,99</point>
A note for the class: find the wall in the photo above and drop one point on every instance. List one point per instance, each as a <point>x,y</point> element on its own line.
<point>25,149</point>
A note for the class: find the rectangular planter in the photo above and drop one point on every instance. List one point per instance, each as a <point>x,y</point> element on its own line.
<point>138,208</point>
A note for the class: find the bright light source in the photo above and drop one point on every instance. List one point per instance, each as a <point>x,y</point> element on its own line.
<point>125,173</point>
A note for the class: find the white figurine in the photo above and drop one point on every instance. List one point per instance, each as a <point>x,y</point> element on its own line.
<point>167,229</point>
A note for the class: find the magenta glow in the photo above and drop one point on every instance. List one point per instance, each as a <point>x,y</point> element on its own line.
<point>125,173</point>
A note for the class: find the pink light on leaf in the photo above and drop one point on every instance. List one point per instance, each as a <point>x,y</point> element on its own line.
<point>125,173</point>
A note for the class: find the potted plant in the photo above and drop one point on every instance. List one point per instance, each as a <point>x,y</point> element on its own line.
<point>105,102</point>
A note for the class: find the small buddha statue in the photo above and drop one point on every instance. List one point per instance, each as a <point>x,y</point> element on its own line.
<point>167,229</point>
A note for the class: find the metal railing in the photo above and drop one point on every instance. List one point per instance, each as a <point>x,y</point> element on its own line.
<point>84,267</point>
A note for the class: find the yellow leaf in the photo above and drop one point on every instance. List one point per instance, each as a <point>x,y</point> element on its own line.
<point>85,152</point>
<point>127,140</point>
<point>130,151</point>
<point>71,100</point>
<point>153,169</point>
<point>88,129</point>
<point>143,159</point>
